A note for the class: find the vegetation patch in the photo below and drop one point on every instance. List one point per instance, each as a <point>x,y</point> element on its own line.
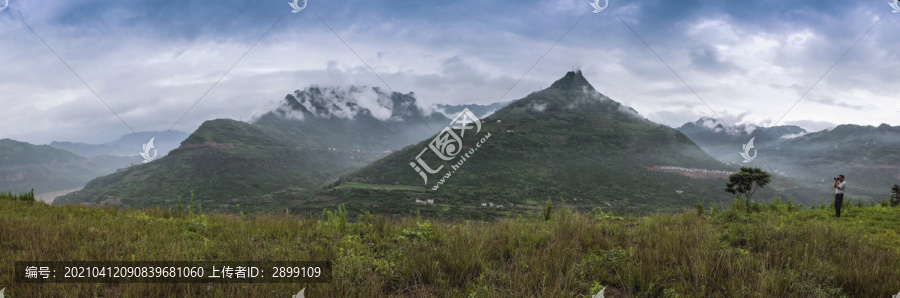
<point>776,249</point>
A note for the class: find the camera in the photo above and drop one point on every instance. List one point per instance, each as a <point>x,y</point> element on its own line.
<point>836,178</point>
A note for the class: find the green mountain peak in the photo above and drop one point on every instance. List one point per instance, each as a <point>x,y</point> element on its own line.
<point>571,94</point>
<point>567,143</point>
<point>573,80</point>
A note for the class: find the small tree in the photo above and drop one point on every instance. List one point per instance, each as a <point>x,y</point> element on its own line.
<point>746,182</point>
<point>895,195</point>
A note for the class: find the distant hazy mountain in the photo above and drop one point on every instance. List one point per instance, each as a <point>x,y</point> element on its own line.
<point>24,166</point>
<point>720,141</point>
<point>866,155</point>
<point>280,159</point>
<point>567,143</point>
<point>130,144</point>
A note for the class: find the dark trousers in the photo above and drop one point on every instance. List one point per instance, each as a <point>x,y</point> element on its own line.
<point>838,202</point>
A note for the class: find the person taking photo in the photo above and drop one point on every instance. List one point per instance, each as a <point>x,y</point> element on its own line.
<point>839,185</point>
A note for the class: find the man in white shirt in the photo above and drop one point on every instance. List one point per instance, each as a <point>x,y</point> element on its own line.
<point>839,186</point>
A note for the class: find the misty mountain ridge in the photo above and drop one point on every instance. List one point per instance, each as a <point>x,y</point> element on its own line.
<point>353,102</point>
<point>127,145</point>
<point>721,142</point>
<point>308,139</point>
<point>713,125</point>
<point>350,102</point>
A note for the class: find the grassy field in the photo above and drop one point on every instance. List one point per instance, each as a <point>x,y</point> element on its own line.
<point>774,250</point>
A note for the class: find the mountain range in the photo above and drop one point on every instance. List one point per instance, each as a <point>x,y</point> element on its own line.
<point>127,145</point>
<point>866,155</point>
<point>282,157</point>
<point>25,166</point>
<point>567,143</point>
<point>379,151</point>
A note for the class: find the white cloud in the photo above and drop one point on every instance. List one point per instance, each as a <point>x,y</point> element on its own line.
<point>791,136</point>
<point>150,76</point>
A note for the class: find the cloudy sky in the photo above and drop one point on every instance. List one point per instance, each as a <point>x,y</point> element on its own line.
<point>150,61</point>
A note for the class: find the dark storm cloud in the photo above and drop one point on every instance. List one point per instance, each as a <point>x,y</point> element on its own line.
<point>707,59</point>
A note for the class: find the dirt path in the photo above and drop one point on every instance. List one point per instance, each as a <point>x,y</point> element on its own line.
<point>693,173</point>
<point>48,197</point>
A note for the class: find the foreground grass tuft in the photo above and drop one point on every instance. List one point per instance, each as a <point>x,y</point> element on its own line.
<point>774,250</point>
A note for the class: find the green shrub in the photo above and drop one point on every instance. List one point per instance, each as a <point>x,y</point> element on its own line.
<point>776,204</point>
<point>365,216</point>
<point>740,204</point>
<point>337,219</point>
<point>756,207</point>
<point>191,207</point>
<point>599,214</point>
<point>548,210</point>
<point>670,293</point>
<point>27,196</point>
<point>423,231</point>
<point>596,287</point>
<point>895,195</point>
<point>605,266</point>
<point>790,206</point>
